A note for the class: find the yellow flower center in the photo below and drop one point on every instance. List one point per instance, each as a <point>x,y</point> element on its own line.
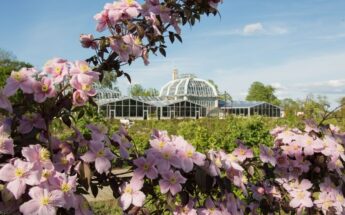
<point>242,152</point>
<point>129,2</point>
<point>123,47</point>
<point>327,204</point>
<point>45,201</point>
<point>128,189</point>
<point>86,87</point>
<point>340,198</point>
<point>65,187</point>
<point>218,162</point>
<point>46,173</point>
<point>100,153</point>
<point>309,141</point>
<point>172,180</point>
<point>161,144</point>
<point>17,76</point>
<point>137,41</point>
<point>19,172</point>
<point>63,160</point>
<point>45,87</point>
<point>44,154</point>
<point>84,68</point>
<point>340,148</point>
<point>190,153</point>
<point>300,195</point>
<point>58,70</point>
<point>146,167</point>
<point>166,155</point>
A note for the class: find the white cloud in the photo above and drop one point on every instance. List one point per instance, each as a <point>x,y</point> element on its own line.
<point>254,28</point>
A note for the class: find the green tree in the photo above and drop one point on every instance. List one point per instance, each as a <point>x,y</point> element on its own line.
<point>290,107</point>
<point>152,92</point>
<point>260,92</point>
<point>109,80</point>
<point>138,90</point>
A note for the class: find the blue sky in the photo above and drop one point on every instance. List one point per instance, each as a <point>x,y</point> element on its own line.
<point>298,46</point>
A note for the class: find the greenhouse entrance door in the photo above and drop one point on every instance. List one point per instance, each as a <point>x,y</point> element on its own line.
<point>172,114</point>
<point>145,114</point>
<point>197,115</point>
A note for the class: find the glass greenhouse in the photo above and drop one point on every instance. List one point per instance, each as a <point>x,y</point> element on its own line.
<point>188,87</point>
<point>151,108</point>
<point>246,108</point>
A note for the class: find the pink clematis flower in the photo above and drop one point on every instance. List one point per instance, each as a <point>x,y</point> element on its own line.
<point>123,144</point>
<point>37,154</point>
<point>100,155</point>
<point>300,198</point>
<point>79,98</point>
<point>98,132</point>
<point>102,19</point>
<point>18,174</point>
<point>30,121</point>
<point>166,158</point>
<point>88,41</point>
<point>187,155</point>
<point>123,10</point>
<point>121,48</point>
<point>210,208</point>
<point>63,162</point>
<point>67,185</point>
<point>57,68</point>
<point>267,155</point>
<point>83,83</point>
<point>20,80</point>
<point>171,181</point>
<point>187,209</point>
<point>131,194</point>
<point>43,201</point>
<point>82,207</point>
<point>5,102</point>
<point>6,143</point>
<point>242,153</point>
<point>214,3</point>
<point>43,89</point>
<point>135,45</point>
<point>81,68</point>
<point>145,168</point>
<point>310,145</point>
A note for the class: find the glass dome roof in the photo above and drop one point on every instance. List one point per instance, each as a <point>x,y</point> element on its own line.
<point>188,85</point>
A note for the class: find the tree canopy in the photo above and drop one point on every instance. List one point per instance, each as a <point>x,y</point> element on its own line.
<point>260,92</point>
<point>138,90</point>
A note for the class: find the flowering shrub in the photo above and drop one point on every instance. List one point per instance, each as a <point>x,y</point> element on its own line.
<point>42,173</point>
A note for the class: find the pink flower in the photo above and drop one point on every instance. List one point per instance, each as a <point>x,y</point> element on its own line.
<point>5,102</point>
<point>292,149</point>
<point>145,168</point>
<point>123,144</point>
<point>102,19</point>
<point>43,89</point>
<point>37,154</point>
<point>29,121</point>
<point>81,68</point>
<point>57,68</point>
<point>287,136</point>
<point>242,153</point>
<point>19,80</point>
<point>171,181</point>
<point>63,162</point>
<point>43,201</point>
<point>98,132</point>
<point>83,83</point>
<point>135,44</point>
<point>67,185</point>
<point>185,209</point>
<point>210,208</point>
<point>187,155</point>
<point>267,155</point>
<point>131,194</point>
<point>100,155</point>
<point>18,175</point>
<point>82,207</point>
<point>213,166</point>
<point>121,48</point>
<point>123,10</point>
<point>166,158</point>
<point>214,3</point>
<point>310,145</point>
<point>6,143</point>
<point>300,198</point>
<point>88,41</point>
<point>79,98</point>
